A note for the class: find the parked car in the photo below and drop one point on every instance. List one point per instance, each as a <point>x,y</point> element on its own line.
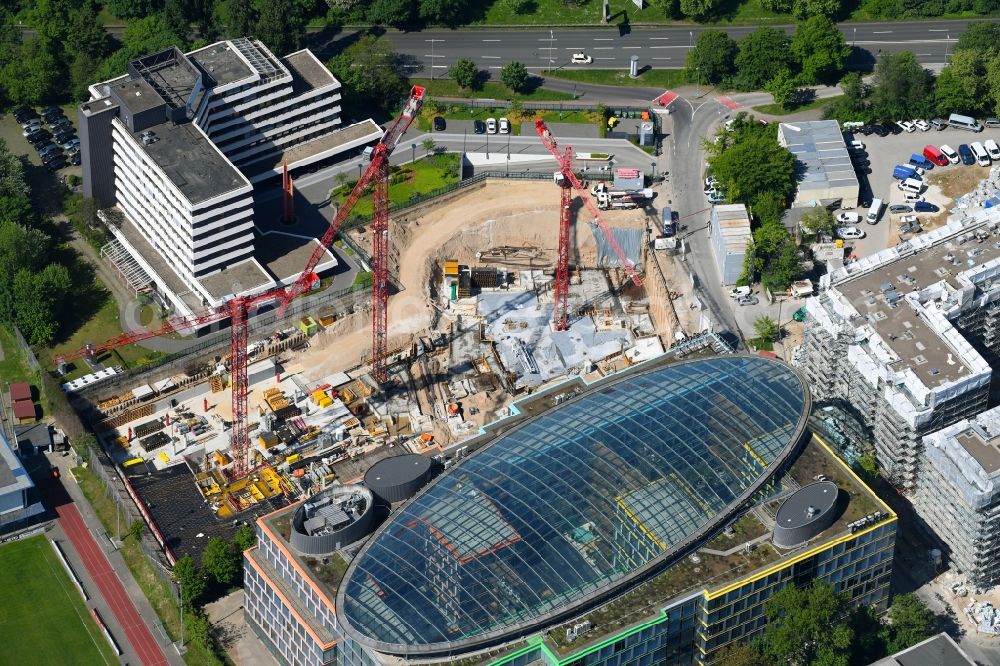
<point>504,126</point>
<point>950,153</point>
<point>939,123</point>
<point>72,145</point>
<point>921,162</point>
<point>909,224</point>
<point>50,110</point>
<point>992,122</point>
<point>965,153</point>
<point>52,116</point>
<point>439,124</point>
<point>24,114</point>
<point>880,130</point>
<point>63,137</point>
<point>47,148</point>
<point>992,149</point>
<point>910,197</point>
<point>491,125</point>
<point>894,128</point>
<point>39,138</point>
<point>925,207</point>
<point>479,127</point>
<point>922,125</point>
<point>59,124</point>
<point>55,155</point>
<point>896,209</point>
<point>739,292</point>
<point>747,300</point>
<point>849,233</point>
<point>716,197</point>
<point>75,159</point>
<point>30,126</point>
<point>865,129</point>
<point>935,155</point>
<point>906,126</point>
<point>56,164</point>
<point>849,218</point>
<point>856,146</point>
<point>581,59</point>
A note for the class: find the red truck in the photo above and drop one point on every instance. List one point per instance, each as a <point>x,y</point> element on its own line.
<point>935,155</point>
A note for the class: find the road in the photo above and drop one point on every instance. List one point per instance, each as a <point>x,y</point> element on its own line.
<point>433,51</point>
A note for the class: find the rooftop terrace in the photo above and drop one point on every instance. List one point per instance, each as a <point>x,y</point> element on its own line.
<point>307,72</point>
<point>221,63</point>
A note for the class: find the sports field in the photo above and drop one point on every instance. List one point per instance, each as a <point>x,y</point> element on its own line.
<point>43,619</point>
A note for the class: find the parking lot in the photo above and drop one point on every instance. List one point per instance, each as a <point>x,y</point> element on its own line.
<point>886,152</point>
<point>41,180</point>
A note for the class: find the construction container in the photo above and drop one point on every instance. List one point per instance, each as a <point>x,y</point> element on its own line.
<point>451,268</point>
<point>267,439</point>
<point>308,325</point>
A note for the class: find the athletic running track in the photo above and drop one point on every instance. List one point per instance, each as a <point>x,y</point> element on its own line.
<point>110,586</point>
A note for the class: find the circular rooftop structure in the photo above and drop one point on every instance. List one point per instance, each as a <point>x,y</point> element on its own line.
<point>398,478</point>
<point>332,519</point>
<point>805,513</point>
<point>570,508</point>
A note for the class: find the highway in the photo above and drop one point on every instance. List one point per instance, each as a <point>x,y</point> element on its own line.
<point>433,51</point>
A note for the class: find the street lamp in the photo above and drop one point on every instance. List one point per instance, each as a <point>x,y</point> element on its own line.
<point>360,165</point>
<point>855,40</point>
<point>413,152</point>
<point>697,88</point>
<point>947,45</point>
<point>552,39</point>
<point>690,38</point>
<point>653,164</point>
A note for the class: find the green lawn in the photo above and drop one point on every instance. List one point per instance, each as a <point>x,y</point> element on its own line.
<point>102,326</point>
<point>775,110</point>
<point>554,12</point>
<point>490,90</point>
<point>14,367</point>
<point>426,175</point>
<point>44,619</point>
<point>655,78</point>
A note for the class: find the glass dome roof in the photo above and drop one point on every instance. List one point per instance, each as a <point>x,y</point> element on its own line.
<point>551,516</point>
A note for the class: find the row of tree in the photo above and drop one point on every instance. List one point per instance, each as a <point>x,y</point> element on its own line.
<point>818,626</point>
<point>36,293</point>
<point>900,87</point>
<point>814,54</point>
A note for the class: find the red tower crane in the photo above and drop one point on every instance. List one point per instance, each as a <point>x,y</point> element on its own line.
<point>560,314</point>
<point>238,309</point>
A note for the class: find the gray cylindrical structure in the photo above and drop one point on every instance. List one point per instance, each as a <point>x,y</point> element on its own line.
<point>332,519</point>
<point>807,512</point>
<point>398,478</point>
<point>633,68</point>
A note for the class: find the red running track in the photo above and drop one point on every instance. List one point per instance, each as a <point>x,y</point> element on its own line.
<point>110,586</point>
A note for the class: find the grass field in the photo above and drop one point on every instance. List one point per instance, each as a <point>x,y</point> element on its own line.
<point>555,12</point>
<point>655,78</point>
<point>43,619</point>
<point>426,175</point>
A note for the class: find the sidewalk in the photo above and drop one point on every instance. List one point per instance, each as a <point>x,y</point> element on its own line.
<point>135,599</point>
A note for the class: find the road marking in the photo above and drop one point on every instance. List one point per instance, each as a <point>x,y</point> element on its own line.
<point>428,55</point>
<point>631,47</point>
<point>440,66</point>
<point>604,48</point>
<point>937,30</point>
<point>604,39</point>
<point>433,40</point>
<point>924,54</point>
<point>495,67</point>
<point>659,38</point>
<point>605,58</point>
<point>881,32</point>
<point>548,39</point>
<point>492,57</point>
<point>659,58</point>
<point>668,47</point>
<point>491,40</point>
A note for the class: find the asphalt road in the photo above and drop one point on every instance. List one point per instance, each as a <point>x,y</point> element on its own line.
<point>435,50</point>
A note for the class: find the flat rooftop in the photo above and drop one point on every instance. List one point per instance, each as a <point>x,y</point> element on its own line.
<point>284,254</point>
<point>137,95</point>
<point>968,453</point>
<point>170,75</point>
<point>221,63</point>
<point>307,72</point>
<point>191,162</point>
<point>939,650</point>
<point>878,296</point>
<point>247,275</point>
<point>13,476</point>
<point>820,147</point>
<point>358,133</point>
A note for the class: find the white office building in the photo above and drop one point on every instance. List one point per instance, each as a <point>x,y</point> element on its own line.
<point>181,143</point>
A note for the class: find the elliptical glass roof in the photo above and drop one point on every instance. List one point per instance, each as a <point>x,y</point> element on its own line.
<point>558,512</point>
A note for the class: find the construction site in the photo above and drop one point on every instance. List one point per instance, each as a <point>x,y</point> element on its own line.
<point>479,297</point>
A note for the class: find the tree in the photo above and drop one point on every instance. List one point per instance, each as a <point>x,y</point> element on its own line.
<point>866,465</point>
<point>280,26</point>
<point>141,37</point>
<point>902,87</point>
<point>133,9</point>
<point>174,18</point>
<point>817,220</point>
<point>982,36</point>
<point>961,86</point>
<point>762,53</point>
<point>465,72</point>
<point>22,249</point>
<point>397,13</point>
<point>910,622</point>
<point>221,561</point>
<point>33,75</point>
<point>447,12</point>
<point>749,163</point>
<point>371,74</point>
<point>191,581</point>
<point>428,145</point>
<point>741,654</point>
<point>514,75</point>
<point>237,18</point>
<point>804,9</point>
<point>820,49</point>
<point>782,88</point>
<point>519,6</point>
<point>806,626</point>
<point>135,530</point>
<point>38,301</point>
<point>699,10</point>
<point>766,328</point>
<point>245,538</point>
<point>993,81</point>
<point>713,56</point>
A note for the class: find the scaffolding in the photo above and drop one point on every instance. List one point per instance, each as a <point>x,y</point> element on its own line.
<point>127,267</point>
<point>258,59</point>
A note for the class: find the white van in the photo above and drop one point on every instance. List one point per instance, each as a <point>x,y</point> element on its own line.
<point>964,122</point>
<point>992,148</point>
<point>982,157</point>
<point>874,211</point>
<point>911,185</point>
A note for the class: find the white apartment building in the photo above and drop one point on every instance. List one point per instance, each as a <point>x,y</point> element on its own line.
<point>901,338</point>
<point>181,143</point>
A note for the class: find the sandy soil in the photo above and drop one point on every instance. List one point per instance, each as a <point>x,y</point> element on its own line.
<point>501,213</point>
